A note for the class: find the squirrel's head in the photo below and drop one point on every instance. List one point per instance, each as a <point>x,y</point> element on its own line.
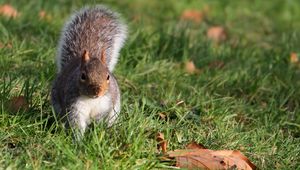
<point>94,75</point>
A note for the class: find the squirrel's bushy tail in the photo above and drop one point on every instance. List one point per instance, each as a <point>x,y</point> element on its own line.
<point>93,29</point>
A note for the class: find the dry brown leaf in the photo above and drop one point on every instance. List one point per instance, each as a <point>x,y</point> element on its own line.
<point>191,68</point>
<point>162,143</point>
<point>6,45</point>
<point>209,159</point>
<point>162,115</point>
<point>18,103</point>
<point>44,16</point>
<point>194,145</point>
<point>2,45</point>
<point>180,102</point>
<point>216,34</point>
<point>192,15</point>
<point>294,58</point>
<point>8,11</point>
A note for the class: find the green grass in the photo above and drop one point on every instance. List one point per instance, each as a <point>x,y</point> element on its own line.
<point>250,104</point>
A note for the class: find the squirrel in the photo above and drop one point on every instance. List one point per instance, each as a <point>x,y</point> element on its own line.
<point>85,88</point>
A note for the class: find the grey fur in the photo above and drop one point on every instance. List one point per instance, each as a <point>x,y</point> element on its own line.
<point>98,31</point>
<point>94,29</point>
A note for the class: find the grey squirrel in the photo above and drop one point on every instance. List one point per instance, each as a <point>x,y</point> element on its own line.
<point>85,88</point>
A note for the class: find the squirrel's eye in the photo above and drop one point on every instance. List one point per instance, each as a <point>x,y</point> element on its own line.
<point>107,77</point>
<point>83,77</point>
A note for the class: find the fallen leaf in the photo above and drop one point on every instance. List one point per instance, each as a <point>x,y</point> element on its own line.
<point>18,103</point>
<point>192,15</point>
<point>180,102</point>
<point>191,68</point>
<point>209,159</point>
<point>162,143</point>
<point>294,58</point>
<point>165,158</point>
<point>44,16</point>
<point>194,145</point>
<point>162,115</point>
<point>1,45</point>
<point>8,11</point>
<point>216,34</point>
<point>6,45</point>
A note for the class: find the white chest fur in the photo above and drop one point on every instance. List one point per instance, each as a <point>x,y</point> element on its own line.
<point>90,108</point>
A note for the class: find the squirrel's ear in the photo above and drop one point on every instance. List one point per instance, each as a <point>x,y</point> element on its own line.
<point>103,59</point>
<point>85,56</point>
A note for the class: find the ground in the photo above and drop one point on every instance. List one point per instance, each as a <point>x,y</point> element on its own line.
<point>244,95</point>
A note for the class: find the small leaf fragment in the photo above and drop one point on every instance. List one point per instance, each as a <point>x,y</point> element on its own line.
<point>216,34</point>
<point>162,115</point>
<point>8,11</point>
<point>194,145</point>
<point>180,102</point>
<point>191,68</point>
<point>162,143</point>
<point>5,45</point>
<point>44,16</point>
<point>192,15</point>
<point>294,58</point>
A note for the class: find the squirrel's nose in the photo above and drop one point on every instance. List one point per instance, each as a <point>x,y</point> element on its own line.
<point>96,90</point>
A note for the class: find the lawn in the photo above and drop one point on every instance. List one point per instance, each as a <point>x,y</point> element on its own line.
<point>245,95</point>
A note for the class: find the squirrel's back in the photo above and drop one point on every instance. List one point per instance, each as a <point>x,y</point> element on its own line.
<point>94,29</point>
